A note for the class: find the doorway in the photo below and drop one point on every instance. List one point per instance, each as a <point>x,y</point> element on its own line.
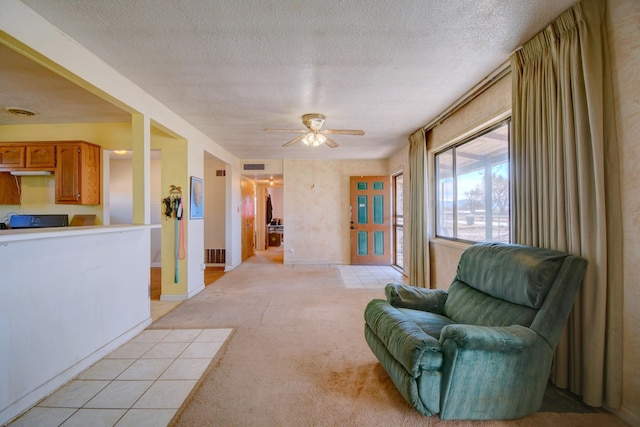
<point>248,193</point>
<point>370,222</point>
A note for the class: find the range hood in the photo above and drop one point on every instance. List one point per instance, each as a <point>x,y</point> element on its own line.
<point>30,173</point>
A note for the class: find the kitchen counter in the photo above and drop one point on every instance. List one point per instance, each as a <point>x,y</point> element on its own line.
<point>22,234</point>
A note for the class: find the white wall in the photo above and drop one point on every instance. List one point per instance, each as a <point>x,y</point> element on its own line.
<point>214,204</point>
<point>121,199</point>
<point>66,300</point>
<point>120,191</point>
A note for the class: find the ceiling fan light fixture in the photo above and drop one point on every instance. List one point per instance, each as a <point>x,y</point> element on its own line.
<point>314,139</point>
<point>313,136</point>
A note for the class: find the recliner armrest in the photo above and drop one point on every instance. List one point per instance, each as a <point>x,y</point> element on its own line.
<point>515,338</point>
<point>406,296</point>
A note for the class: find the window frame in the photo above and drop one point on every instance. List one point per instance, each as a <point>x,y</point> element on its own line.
<point>452,147</point>
<point>395,224</point>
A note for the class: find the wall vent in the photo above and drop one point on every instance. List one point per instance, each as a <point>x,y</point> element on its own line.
<point>215,256</point>
<point>253,166</point>
<point>221,172</point>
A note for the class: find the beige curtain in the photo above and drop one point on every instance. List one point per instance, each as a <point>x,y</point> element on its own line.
<point>418,238</point>
<point>565,186</point>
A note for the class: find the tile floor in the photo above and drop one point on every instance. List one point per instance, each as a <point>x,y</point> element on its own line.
<point>369,276</point>
<point>141,383</point>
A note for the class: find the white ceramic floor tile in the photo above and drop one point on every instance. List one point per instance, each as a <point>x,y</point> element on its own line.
<point>186,369</point>
<point>166,350</point>
<point>130,350</point>
<point>182,335</point>
<point>165,394</point>
<point>151,335</point>
<point>43,417</point>
<point>142,383</point>
<point>146,418</point>
<point>74,394</point>
<point>106,369</point>
<point>199,350</point>
<point>213,335</point>
<point>146,369</point>
<point>119,395</point>
<point>94,418</point>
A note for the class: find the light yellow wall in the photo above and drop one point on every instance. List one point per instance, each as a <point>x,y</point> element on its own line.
<point>174,172</point>
<point>624,39</point>
<point>316,208</point>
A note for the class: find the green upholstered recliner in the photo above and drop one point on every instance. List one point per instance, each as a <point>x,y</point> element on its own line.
<point>484,348</point>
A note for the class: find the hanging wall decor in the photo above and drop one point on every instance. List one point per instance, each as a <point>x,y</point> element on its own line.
<point>197,198</point>
<point>173,209</point>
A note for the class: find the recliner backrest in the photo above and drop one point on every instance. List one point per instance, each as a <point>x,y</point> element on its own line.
<point>499,284</point>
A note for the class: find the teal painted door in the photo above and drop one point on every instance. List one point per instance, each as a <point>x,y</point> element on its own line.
<point>370,220</point>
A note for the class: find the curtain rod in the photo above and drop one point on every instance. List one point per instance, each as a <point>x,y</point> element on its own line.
<point>486,83</point>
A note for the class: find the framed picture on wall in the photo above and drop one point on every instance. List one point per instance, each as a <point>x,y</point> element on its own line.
<point>196,210</point>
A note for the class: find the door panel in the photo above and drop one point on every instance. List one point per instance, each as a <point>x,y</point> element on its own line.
<point>248,218</point>
<point>370,220</point>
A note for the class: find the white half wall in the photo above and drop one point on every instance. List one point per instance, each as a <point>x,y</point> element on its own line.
<point>67,298</point>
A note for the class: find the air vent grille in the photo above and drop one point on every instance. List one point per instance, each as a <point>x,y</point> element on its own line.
<point>221,172</point>
<point>253,166</point>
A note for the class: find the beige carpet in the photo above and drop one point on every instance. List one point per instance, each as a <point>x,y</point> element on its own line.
<point>297,356</point>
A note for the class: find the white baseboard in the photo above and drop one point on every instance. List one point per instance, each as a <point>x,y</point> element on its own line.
<point>177,297</point>
<point>196,291</point>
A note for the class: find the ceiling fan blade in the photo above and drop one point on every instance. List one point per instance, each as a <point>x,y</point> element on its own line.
<point>344,131</point>
<point>286,130</point>
<point>331,143</point>
<point>294,140</point>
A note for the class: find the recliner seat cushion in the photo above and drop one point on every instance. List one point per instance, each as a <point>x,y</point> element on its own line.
<point>518,274</point>
<point>430,323</point>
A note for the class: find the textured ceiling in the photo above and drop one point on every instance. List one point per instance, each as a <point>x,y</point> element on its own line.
<point>234,67</point>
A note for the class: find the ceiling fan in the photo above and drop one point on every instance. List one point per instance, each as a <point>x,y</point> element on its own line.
<point>314,135</point>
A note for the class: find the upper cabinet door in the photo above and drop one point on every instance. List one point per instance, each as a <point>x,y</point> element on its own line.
<point>68,173</point>
<point>78,173</point>
<point>12,157</point>
<point>41,157</point>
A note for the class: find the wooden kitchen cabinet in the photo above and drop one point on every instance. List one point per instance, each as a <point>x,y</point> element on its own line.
<point>41,157</point>
<point>12,157</point>
<point>25,156</point>
<point>78,177</point>
<point>9,189</point>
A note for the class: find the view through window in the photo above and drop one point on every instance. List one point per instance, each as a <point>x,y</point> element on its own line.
<point>472,194</point>
<point>398,221</point>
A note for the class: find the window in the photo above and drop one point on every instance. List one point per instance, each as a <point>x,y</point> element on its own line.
<point>472,188</point>
<point>398,222</point>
